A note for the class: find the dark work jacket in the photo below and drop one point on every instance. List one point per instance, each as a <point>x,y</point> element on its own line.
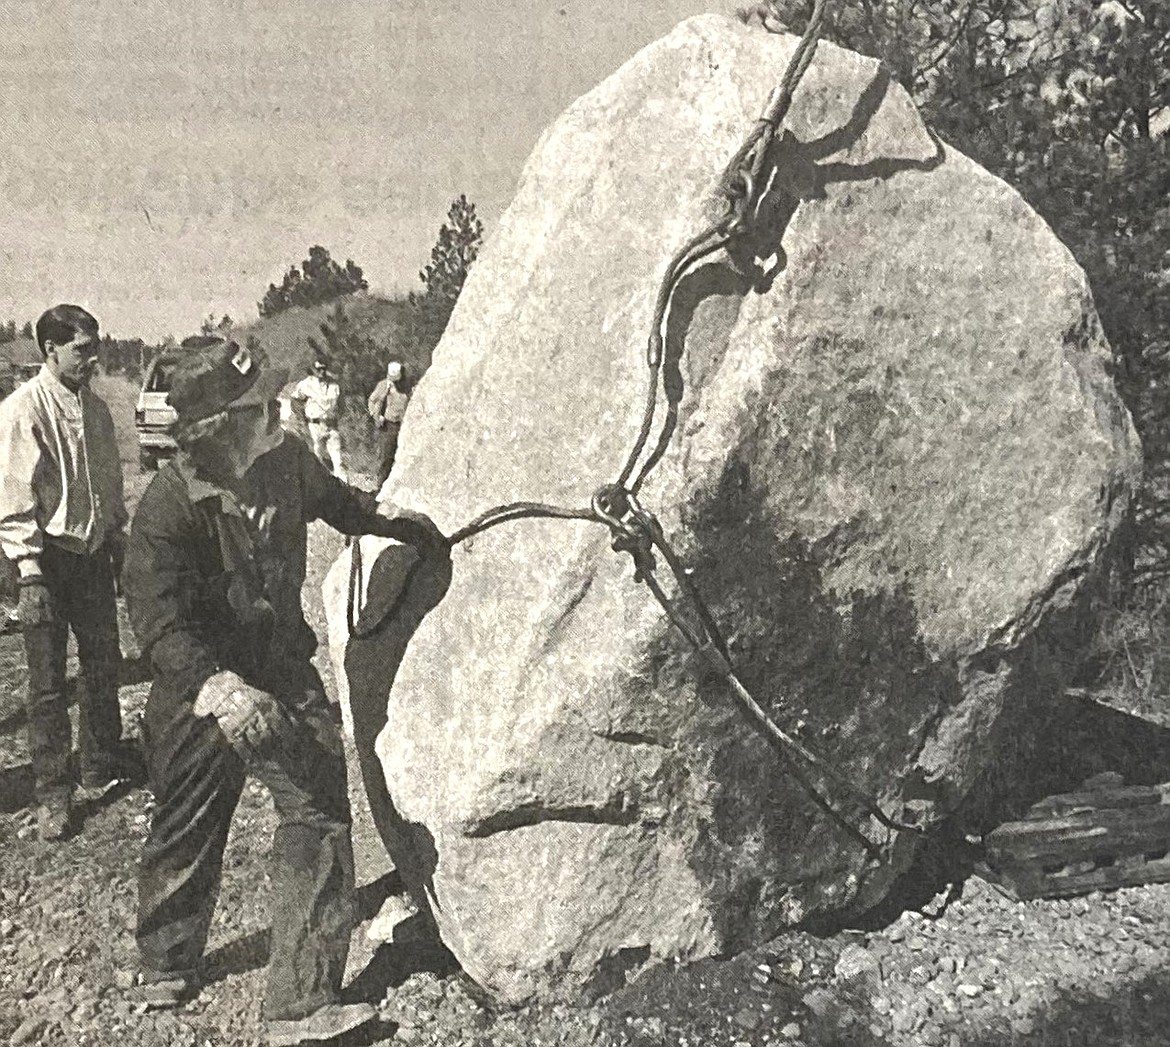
<point>213,577</point>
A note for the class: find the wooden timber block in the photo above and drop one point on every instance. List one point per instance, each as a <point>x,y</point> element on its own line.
<point>1104,836</point>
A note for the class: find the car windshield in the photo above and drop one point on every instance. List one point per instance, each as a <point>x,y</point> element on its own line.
<point>160,377</point>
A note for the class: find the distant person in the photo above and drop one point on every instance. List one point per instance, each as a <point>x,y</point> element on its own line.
<point>387,406</point>
<point>320,396</point>
<point>62,520</point>
<point>214,573</point>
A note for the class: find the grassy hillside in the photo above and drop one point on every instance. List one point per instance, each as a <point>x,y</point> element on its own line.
<point>386,321</point>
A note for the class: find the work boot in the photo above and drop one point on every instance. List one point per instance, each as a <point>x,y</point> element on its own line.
<point>53,820</point>
<point>158,991</point>
<point>325,1023</point>
<point>95,783</point>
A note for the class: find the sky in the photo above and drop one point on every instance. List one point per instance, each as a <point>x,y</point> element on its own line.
<point>160,161</point>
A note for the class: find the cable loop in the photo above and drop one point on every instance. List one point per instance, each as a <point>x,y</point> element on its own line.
<point>636,530</point>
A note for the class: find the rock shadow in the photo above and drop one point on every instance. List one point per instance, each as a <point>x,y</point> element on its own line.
<point>792,172</point>
<point>1051,747</point>
<point>848,674</point>
<point>707,299</point>
<point>369,897</point>
<point>403,589</point>
<point>416,949</point>
<point>248,953</point>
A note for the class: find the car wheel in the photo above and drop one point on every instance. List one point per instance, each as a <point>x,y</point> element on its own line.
<point>147,461</point>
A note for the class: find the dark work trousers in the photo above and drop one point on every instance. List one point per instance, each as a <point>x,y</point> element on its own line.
<point>197,779</point>
<point>81,590</point>
<point>388,448</point>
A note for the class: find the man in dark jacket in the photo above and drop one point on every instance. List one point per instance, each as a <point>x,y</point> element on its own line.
<point>213,578</point>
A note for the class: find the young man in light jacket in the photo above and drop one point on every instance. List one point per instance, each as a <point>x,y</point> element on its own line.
<point>62,520</point>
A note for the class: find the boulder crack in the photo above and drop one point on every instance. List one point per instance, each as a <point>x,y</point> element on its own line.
<point>536,814</point>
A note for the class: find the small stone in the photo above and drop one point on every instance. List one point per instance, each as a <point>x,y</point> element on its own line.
<point>790,1031</point>
<point>746,1018</point>
<point>855,964</point>
<point>396,910</point>
<point>123,979</point>
<point>969,988</point>
<point>6,927</point>
<point>29,1030</point>
<point>918,975</point>
<point>819,1001</point>
<point>903,1019</point>
<point>655,1028</point>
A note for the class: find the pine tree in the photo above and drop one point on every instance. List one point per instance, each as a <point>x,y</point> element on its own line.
<point>454,252</point>
<point>318,279</point>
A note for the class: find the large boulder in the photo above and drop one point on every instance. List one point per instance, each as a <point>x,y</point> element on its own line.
<point>895,474</point>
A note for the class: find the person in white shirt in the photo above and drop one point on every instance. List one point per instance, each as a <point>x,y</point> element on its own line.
<point>62,520</point>
<point>320,397</point>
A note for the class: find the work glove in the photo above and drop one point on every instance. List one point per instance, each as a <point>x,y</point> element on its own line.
<point>251,719</point>
<point>116,543</point>
<point>35,606</point>
<point>424,534</point>
<point>322,720</point>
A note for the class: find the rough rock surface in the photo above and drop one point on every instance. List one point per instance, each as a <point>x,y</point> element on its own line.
<point>894,468</point>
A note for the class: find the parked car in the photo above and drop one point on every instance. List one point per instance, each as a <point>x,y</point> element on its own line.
<point>153,415</point>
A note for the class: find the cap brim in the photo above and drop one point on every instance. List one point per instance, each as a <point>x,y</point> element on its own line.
<point>265,389</point>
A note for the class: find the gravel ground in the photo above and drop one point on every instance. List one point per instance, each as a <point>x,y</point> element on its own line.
<point>982,971</point>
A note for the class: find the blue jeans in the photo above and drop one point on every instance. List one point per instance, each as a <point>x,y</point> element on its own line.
<point>81,591</point>
<point>197,779</point>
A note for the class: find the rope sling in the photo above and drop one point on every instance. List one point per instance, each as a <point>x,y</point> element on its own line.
<point>635,530</point>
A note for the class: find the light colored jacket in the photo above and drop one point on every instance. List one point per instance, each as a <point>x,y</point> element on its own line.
<point>60,474</point>
<point>322,399</point>
<point>387,403</point>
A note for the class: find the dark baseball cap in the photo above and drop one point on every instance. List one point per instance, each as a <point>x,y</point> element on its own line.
<point>213,373</point>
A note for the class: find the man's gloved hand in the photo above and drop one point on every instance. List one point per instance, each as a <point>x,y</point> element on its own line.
<point>425,535</point>
<point>249,717</point>
<point>35,606</point>
<point>116,543</point>
<point>321,718</point>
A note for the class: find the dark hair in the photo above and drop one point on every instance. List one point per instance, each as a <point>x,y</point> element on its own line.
<point>61,324</point>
